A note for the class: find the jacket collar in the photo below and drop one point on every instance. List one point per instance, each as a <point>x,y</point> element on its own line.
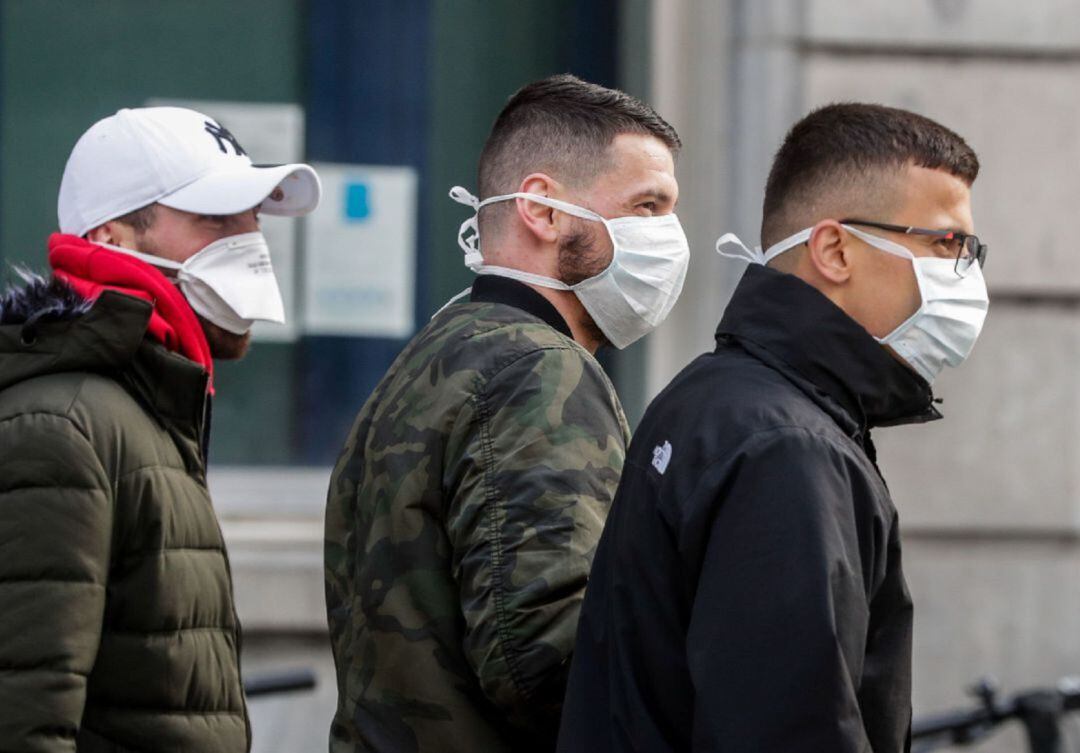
<point>174,388</point>
<point>103,337</point>
<point>91,269</point>
<point>494,289</point>
<point>110,337</point>
<point>792,327</point>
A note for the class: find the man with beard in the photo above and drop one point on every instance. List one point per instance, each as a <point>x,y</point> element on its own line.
<point>117,625</point>
<point>465,508</point>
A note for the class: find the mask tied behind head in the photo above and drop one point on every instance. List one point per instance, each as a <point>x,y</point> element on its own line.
<point>229,282</point>
<point>942,332</point>
<point>633,295</point>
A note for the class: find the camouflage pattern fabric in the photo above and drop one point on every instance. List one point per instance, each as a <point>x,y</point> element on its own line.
<point>461,524</point>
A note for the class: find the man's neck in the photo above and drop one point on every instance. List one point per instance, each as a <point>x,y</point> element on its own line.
<point>585,332</point>
<point>575,315</point>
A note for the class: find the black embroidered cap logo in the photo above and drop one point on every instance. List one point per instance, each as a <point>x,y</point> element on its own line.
<point>222,136</point>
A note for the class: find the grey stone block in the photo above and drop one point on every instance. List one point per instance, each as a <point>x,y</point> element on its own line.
<point>946,25</point>
<point>255,492</point>
<point>272,522</point>
<point>277,568</point>
<point>1010,609</point>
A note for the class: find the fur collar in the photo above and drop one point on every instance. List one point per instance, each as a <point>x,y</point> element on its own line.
<point>40,300</point>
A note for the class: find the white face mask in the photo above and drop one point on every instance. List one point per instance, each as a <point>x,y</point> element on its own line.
<point>943,331</point>
<point>638,289</point>
<point>229,282</point>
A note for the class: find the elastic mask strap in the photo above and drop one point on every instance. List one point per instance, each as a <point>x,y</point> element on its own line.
<point>787,244</point>
<point>745,253</point>
<point>756,255</point>
<point>562,206</point>
<point>891,247</point>
<point>520,276</point>
<point>154,261</point>
<point>469,232</point>
<point>882,244</point>
<point>452,301</point>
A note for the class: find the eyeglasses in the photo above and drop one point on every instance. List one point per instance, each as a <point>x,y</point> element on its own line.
<point>966,248</point>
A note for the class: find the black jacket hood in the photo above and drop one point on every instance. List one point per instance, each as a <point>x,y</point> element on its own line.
<point>789,325</point>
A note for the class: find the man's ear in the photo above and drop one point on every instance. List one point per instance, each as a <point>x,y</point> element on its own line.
<point>114,233</point>
<point>537,217</point>
<point>829,253</point>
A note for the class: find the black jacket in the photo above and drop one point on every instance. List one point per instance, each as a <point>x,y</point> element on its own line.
<point>747,593</point>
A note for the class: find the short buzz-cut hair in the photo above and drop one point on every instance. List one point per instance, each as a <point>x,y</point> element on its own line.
<point>846,150</point>
<point>562,126</point>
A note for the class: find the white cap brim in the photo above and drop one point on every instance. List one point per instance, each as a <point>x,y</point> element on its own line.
<point>233,191</point>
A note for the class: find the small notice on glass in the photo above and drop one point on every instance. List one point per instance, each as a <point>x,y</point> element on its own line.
<point>360,253</point>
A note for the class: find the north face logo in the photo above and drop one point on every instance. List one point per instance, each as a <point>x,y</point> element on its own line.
<point>223,137</point>
<point>661,456</point>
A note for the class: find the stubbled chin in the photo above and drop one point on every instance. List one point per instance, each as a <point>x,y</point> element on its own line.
<point>231,351</point>
<point>224,345</point>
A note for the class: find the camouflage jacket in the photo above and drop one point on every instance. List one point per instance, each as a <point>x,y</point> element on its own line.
<point>461,524</point>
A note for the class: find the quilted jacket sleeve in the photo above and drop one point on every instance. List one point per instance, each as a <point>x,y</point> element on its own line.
<point>55,532</point>
<point>543,460</point>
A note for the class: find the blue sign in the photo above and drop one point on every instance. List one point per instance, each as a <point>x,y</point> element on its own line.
<point>356,202</point>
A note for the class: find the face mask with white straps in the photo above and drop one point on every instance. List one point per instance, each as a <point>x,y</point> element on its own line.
<point>942,332</point>
<point>633,295</point>
<point>229,282</point>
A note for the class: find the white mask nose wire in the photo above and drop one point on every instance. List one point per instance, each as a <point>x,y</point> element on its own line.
<point>754,256</point>
<point>469,232</point>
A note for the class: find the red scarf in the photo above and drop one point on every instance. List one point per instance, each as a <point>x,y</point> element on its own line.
<point>91,269</point>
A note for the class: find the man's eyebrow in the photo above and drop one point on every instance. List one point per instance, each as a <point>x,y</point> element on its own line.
<point>956,230</point>
<point>660,195</point>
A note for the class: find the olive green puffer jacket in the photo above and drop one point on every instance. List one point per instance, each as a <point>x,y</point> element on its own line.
<point>117,626</point>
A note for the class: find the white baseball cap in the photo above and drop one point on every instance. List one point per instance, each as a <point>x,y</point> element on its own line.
<point>176,157</point>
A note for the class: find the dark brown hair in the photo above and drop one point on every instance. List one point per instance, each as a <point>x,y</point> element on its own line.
<point>837,145</point>
<point>562,126</point>
<point>141,219</point>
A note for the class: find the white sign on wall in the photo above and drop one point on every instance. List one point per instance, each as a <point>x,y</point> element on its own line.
<point>360,252</point>
<point>271,133</point>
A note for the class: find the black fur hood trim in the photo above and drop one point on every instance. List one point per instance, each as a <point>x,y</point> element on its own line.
<point>41,300</point>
